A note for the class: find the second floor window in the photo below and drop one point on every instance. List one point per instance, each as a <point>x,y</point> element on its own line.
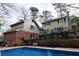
<point>58,21</point>
<point>44,24</point>
<point>32,27</point>
<point>64,19</point>
<point>48,23</point>
<point>61,21</point>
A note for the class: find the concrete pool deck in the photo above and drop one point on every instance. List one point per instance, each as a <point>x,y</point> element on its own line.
<point>56,48</point>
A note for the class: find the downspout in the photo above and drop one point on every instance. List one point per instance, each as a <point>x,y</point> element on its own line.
<point>69,21</point>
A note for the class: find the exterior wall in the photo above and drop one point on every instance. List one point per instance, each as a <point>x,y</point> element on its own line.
<point>24,33</point>
<point>15,38</point>
<point>27,25</point>
<point>55,24</point>
<point>19,26</point>
<point>10,38</point>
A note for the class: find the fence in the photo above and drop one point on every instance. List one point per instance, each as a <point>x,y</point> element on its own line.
<point>71,43</point>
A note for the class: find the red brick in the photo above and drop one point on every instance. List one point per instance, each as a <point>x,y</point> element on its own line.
<point>15,37</point>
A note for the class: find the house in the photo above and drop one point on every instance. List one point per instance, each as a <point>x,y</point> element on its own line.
<point>55,24</point>
<point>24,31</point>
<point>58,27</point>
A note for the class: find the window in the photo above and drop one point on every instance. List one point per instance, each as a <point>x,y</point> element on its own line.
<point>51,30</point>
<point>64,19</point>
<point>32,36</point>
<point>58,21</point>
<point>22,38</point>
<point>55,28</point>
<point>61,21</point>
<point>32,27</point>
<point>44,24</point>
<point>48,23</point>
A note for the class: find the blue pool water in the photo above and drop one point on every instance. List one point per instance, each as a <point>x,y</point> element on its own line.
<point>36,52</point>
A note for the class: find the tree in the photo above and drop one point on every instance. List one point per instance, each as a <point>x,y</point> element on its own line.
<point>23,13</point>
<point>61,8</point>
<point>75,20</point>
<point>4,25</point>
<point>5,9</point>
<point>46,15</point>
<point>4,13</point>
<point>34,12</point>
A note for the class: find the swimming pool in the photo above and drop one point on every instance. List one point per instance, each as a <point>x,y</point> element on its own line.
<point>24,51</point>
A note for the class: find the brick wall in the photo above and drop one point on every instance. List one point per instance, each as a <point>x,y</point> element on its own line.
<point>17,37</point>
<point>10,37</point>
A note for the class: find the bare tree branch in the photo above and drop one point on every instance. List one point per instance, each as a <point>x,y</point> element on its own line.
<point>23,13</point>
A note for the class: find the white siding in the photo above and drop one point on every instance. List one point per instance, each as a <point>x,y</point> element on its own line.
<point>27,24</point>
<point>26,27</point>
<point>55,24</point>
<point>19,26</point>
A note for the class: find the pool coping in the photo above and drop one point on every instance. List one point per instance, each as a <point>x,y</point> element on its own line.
<point>56,48</point>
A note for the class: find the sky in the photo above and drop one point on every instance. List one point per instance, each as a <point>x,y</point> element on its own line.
<point>41,7</point>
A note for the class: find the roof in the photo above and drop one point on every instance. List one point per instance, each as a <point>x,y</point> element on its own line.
<point>17,23</point>
<point>41,29</point>
<point>56,19</point>
<point>9,32</point>
<point>35,23</point>
<point>23,22</point>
